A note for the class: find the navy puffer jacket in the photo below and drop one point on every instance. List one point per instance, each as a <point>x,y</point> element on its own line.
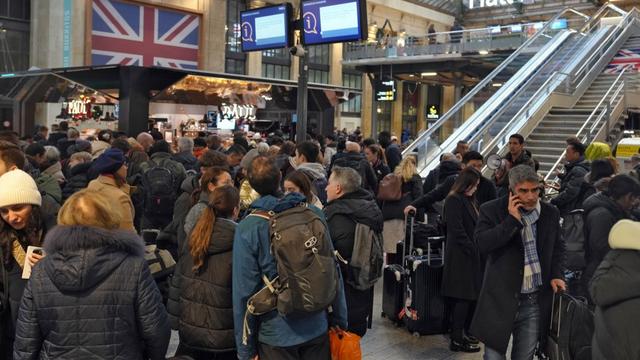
<point>91,297</point>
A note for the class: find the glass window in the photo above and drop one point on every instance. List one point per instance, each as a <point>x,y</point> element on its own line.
<point>233,43</point>
<point>410,101</point>
<point>383,108</point>
<point>276,63</point>
<point>234,66</point>
<point>352,80</point>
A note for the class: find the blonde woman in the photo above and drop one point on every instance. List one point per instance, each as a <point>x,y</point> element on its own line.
<point>393,211</point>
<point>92,295</point>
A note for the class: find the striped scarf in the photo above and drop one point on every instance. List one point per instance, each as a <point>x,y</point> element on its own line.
<point>532,278</point>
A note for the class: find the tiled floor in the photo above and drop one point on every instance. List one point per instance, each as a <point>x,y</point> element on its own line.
<point>385,341</point>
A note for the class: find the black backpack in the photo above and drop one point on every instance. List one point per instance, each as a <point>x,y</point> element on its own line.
<point>158,184</point>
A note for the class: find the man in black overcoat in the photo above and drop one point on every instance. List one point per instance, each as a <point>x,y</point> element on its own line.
<point>520,237</point>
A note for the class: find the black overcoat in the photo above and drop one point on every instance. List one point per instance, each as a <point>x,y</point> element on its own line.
<point>498,237</point>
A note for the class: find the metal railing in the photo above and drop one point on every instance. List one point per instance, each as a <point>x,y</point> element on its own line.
<point>494,38</point>
<point>601,112</point>
<point>577,77</point>
<point>427,142</point>
<point>554,82</point>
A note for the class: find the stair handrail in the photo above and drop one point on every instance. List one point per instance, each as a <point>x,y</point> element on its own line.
<point>620,78</point>
<point>478,87</point>
<point>525,108</point>
<point>596,17</point>
<point>579,75</point>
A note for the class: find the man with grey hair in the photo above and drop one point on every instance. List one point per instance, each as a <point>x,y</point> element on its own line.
<point>521,239</point>
<point>185,154</point>
<point>349,205</point>
<point>52,165</point>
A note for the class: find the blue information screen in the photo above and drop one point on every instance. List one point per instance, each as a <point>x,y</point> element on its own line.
<point>329,21</point>
<point>265,28</point>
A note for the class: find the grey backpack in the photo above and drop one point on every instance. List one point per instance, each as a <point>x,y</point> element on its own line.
<point>307,278</point>
<point>365,267</point>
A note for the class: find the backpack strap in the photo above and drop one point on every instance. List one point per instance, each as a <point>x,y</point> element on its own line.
<point>267,215</point>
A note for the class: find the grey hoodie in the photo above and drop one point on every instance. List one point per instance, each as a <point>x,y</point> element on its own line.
<point>314,170</point>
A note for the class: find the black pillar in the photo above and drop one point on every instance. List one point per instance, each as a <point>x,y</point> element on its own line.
<point>134,100</point>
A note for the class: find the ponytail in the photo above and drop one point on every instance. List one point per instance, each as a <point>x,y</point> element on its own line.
<point>200,238</point>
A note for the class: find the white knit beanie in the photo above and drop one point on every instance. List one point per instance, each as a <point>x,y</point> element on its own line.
<point>18,187</point>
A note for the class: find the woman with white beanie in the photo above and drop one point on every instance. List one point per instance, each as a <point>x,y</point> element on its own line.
<point>22,224</point>
<point>615,289</point>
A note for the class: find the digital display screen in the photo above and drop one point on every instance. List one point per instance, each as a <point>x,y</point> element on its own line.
<point>330,21</point>
<point>516,28</point>
<point>266,28</point>
<point>385,90</point>
<point>559,24</point>
<point>496,29</point>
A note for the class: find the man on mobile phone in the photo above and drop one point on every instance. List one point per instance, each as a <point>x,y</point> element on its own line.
<point>521,238</point>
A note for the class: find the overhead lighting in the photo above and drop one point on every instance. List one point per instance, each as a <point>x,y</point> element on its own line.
<point>411,75</point>
<point>497,84</point>
<point>429,74</point>
<point>483,52</point>
<point>379,110</point>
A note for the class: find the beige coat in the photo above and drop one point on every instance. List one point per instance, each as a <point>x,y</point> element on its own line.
<point>119,195</point>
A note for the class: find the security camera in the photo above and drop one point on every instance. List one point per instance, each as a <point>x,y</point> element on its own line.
<point>297,50</point>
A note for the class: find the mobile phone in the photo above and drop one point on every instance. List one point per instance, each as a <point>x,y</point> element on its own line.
<point>37,251</point>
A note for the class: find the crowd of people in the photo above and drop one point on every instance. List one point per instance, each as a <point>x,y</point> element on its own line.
<point>81,213</point>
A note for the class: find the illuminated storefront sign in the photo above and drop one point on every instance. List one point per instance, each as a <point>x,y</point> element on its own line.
<point>236,111</point>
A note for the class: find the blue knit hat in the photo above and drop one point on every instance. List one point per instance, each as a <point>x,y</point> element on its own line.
<point>109,162</point>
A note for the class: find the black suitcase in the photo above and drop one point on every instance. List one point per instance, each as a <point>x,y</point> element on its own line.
<point>571,329</point>
<point>393,287</point>
<point>426,312</point>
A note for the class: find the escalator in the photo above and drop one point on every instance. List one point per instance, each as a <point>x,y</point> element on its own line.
<point>479,120</point>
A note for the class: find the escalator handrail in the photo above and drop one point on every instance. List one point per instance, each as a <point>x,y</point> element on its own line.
<point>526,106</point>
<point>593,114</point>
<point>507,128</point>
<point>460,104</point>
<point>480,132</point>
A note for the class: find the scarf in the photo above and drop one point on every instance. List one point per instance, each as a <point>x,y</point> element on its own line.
<point>532,278</point>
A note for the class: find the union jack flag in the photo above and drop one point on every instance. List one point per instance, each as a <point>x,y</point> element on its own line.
<point>131,34</point>
<point>624,59</point>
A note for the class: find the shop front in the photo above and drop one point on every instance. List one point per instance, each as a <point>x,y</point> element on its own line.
<point>177,103</point>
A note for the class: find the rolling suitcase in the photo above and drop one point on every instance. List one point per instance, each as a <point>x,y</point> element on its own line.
<point>425,310</point>
<point>571,329</point>
<point>393,287</point>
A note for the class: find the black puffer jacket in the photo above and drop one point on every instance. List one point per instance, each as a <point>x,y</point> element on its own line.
<point>187,159</point>
<point>571,197</point>
<point>615,289</point>
<point>600,214</point>
<point>343,214</point>
<point>201,302</point>
<point>92,297</point>
<point>78,180</point>
<point>440,173</point>
<point>359,163</point>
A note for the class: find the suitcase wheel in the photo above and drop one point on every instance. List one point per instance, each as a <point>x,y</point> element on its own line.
<point>416,334</point>
<point>382,315</point>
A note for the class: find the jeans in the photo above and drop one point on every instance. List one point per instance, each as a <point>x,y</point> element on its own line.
<point>525,331</point>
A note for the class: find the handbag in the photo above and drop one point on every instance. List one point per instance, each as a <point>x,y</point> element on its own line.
<point>344,345</point>
<point>390,188</point>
